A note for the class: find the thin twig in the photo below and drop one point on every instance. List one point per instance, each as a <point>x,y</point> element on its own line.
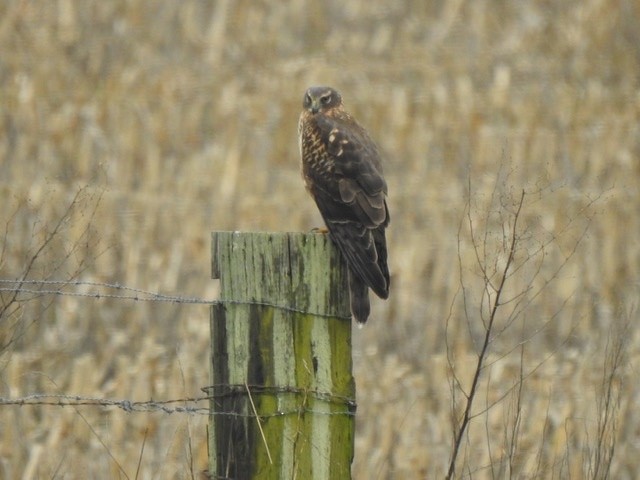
<point>485,345</point>
<point>255,412</point>
<point>144,442</point>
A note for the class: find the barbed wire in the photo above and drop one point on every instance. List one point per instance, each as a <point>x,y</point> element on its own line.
<point>138,295</point>
<point>66,400</point>
<point>224,390</point>
<point>165,406</point>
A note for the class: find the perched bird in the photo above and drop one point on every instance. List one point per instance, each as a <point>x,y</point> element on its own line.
<point>342,171</point>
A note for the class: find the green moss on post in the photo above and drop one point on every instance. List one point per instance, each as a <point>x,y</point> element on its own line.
<point>281,349</point>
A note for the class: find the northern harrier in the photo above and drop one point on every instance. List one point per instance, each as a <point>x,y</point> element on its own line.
<point>342,170</point>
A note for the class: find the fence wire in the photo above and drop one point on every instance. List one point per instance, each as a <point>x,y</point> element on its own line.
<point>134,294</point>
<point>167,406</point>
<point>192,405</point>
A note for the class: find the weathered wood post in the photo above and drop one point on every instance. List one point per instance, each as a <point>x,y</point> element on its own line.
<point>283,395</point>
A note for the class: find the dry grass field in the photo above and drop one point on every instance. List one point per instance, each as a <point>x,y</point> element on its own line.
<point>129,130</point>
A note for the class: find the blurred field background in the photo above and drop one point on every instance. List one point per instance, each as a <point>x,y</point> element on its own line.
<point>169,120</point>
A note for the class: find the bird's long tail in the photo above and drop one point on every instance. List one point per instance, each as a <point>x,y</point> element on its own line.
<point>359,296</point>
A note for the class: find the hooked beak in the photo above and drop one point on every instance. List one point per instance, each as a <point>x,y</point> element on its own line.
<point>315,106</point>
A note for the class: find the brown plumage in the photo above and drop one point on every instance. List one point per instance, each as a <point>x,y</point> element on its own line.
<point>342,171</point>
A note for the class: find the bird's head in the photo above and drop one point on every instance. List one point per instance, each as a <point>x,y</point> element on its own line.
<point>321,99</point>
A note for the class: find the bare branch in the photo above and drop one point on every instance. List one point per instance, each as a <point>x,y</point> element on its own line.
<point>505,256</point>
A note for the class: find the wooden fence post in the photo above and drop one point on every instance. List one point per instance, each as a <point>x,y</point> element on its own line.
<point>283,395</point>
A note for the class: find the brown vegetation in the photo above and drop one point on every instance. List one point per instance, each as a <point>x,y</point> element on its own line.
<point>173,119</point>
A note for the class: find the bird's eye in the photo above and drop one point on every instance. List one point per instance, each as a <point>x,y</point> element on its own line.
<point>326,99</point>
<point>307,99</point>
